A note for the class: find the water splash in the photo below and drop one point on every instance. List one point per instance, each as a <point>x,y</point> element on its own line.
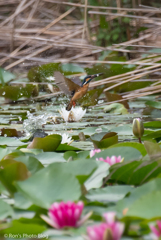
<point>33,123</point>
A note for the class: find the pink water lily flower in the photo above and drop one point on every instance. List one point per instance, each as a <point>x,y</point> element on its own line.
<point>111,160</point>
<point>93,152</point>
<point>65,215</point>
<point>111,228</point>
<point>156,230</point>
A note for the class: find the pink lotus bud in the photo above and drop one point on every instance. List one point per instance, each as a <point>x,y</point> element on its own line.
<point>65,215</point>
<point>112,160</point>
<point>110,230</point>
<point>156,230</point>
<point>92,152</point>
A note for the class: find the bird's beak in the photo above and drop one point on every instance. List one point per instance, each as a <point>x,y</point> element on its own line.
<point>96,75</point>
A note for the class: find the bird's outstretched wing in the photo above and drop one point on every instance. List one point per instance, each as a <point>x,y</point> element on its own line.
<point>65,84</point>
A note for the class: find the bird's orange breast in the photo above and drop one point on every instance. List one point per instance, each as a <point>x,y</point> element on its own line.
<point>80,93</point>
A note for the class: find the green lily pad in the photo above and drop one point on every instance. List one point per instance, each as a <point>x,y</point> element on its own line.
<point>15,92</point>
<point>129,153</point>
<point>32,164</point>
<point>5,210</point>
<point>135,172</point>
<point>40,73</point>
<point>153,149</point>
<point>48,144</point>
<point>114,97</point>
<point>154,104</point>
<point>22,229</point>
<point>11,171</point>
<point>109,194</point>
<point>56,182</point>
<point>96,179</point>
<point>65,147</point>
<point>5,76</point>
<point>8,141</point>
<point>152,124</point>
<point>140,147</point>
<point>69,68</point>
<point>116,108</point>
<point>107,140</point>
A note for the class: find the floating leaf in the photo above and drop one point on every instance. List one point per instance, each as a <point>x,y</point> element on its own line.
<point>135,172</point>
<point>13,155</point>
<point>48,157</point>
<point>49,143</point>
<point>22,229</point>
<point>153,149</point>
<point>96,179</point>
<point>16,92</point>
<point>4,152</point>
<point>5,210</point>
<point>69,68</point>
<point>21,202</point>
<point>11,171</point>
<point>124,130</point>
<point>32,164</point>
<point>107,139</point>
<point>109,194</point>
<point>139,146</point>
<point>154,104</point>
<point>9,132</point>
<point>143,202</point>
<point>5,76</point>
<point>114,97</point>
<point>12,142</point>
<point>153,124</point>
<point>59,182</point>
<point>40,73</point>
<point>65,147</point>
<point>116,108</point>
<point>152,135</point>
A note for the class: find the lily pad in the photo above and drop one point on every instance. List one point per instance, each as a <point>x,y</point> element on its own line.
<point>16,92</point>
<point>56,182</point>
<point>116,108</point>
<point>5,210</point>
<point>48,144</point>
<point>106,140</point>
<point>40,73</point>
<point>154,104</point>
<point>5,76</point>
<point>11,171</point>
<point>109,194</point>
<point>114,97</point>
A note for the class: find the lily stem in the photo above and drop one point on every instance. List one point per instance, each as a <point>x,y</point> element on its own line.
<point>140,140</point>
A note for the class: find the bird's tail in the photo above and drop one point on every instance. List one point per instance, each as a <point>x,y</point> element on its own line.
<point>69,106</point>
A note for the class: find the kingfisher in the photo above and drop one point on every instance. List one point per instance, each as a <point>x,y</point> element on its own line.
<point>71,88</point>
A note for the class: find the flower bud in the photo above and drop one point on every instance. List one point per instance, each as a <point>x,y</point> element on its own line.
<point>138,127</point>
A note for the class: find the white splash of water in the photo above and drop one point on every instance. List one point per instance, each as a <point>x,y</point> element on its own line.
<point>35,122</point>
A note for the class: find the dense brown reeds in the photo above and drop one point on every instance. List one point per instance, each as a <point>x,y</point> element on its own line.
<point>34,32</point>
